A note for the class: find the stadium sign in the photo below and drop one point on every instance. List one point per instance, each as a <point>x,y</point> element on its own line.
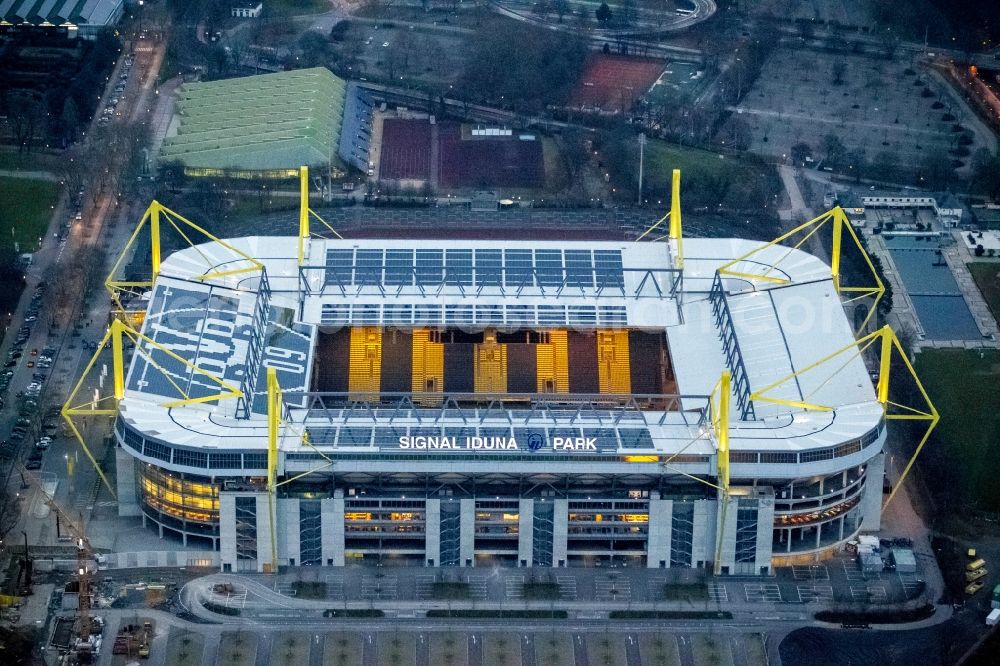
<point>534,442</point>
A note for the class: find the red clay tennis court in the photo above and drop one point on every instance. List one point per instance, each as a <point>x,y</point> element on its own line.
<point>613,83</point>
<point>480,161</point>
<point>406,149</point>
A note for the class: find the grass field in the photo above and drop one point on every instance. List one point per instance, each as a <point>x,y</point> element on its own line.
<point>296,7</point>
<point>25,207</point>
<point>237,648</point>
<point>502,650</point>
<point>400,650</point>
<point>985,275</point>
<point>659,650</point>
<point>184,648</point>
<point>662,158</point>
<point>290,649</point>
<point>711,650</point>
<point>606,650</point>
<point>449,649</point>
<point>342,649</point>
<point>962,385</point>
<point>554,649</point>
<point>754,650</point>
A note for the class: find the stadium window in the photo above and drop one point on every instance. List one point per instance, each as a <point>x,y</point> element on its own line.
<point>457,314</point>
<point>579,269</point>
<point>190,458</point>
<point>339,265</point>
<point>608,268</point>
<point>156,450</point>
<point>551,315</point>
<point>635,438</point>
<point>458,268</point>
<point>582,315</point>
<point>254,461</point>
<point>489,265</point>
<point>778,458</point>
<point>399,314</point>
<point>489,313</point>
<point>335,313</point>
<point>366,313</point>
<point>224,460</point>
<point>520,315</point>
<point>426,313</point>
<point>429,267</point>
<point>549,268</point>
<point>612,315</point>
<point>368,267</point>
<point>399,268</point>
<point>517,268</point>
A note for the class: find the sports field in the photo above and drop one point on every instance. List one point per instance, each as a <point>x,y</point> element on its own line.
<point>613,83</point>
<point>962,384</point>
<point>987,277</point>
<point>406,149</point>
<point>470,161</point>
<point>25,210</point>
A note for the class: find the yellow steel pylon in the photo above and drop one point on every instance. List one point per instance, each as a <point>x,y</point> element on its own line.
<point>888,344</point>
<point>839,223</point>
<point>675,232</point>
<point>719,417</point>
<point>158,217</point>
<point>305,212</point>
<point>275,421</point>
<point>118,332</point>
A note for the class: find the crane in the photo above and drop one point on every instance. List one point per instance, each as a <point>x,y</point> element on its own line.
<point>84,555</point>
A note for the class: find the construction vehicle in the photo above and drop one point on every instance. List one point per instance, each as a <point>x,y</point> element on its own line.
<point>975,575</point>
<point>87,645</point>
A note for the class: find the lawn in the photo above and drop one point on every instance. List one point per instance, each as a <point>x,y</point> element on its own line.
<point>659,650</point>
<point>275,8</point>
<point>685,592</point>
<point>26,208</point>
<point>342,649</point>
<point>450,590</point>
<point>449,649</point>
<point>755,651</point>
<point>184,648</point>
<point>290,649</point>
<point>985,275</point>
<point>502,650</point>
<point>962,384</point>
<point>309,589</point>
<point>237,648</point>
<point>711,650</point>
<point>695,164</point>
<point>554,649</point>
<point>606,650</point>
<point>400,649</point>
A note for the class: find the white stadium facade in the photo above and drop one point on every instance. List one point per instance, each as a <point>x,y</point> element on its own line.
<point>522,403</point>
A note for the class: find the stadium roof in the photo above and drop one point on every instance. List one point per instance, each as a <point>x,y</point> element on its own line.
<point>59,12</point>
<point>416,283</point>
<point>258,123</point>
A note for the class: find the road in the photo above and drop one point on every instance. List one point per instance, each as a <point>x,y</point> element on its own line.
<point>104,224</point>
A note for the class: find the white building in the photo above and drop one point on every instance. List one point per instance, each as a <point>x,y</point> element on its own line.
<point>529,403</point>
<point>248,10</point>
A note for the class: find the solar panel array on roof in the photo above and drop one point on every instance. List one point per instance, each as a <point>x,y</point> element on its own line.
<point>513,268</point>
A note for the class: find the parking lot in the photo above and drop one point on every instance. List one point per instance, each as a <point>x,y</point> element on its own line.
<point>892,111</point>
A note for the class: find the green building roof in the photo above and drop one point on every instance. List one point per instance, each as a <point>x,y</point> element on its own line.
<point>258,123</point>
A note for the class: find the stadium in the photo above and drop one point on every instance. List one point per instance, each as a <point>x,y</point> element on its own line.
<point>690,402</point>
